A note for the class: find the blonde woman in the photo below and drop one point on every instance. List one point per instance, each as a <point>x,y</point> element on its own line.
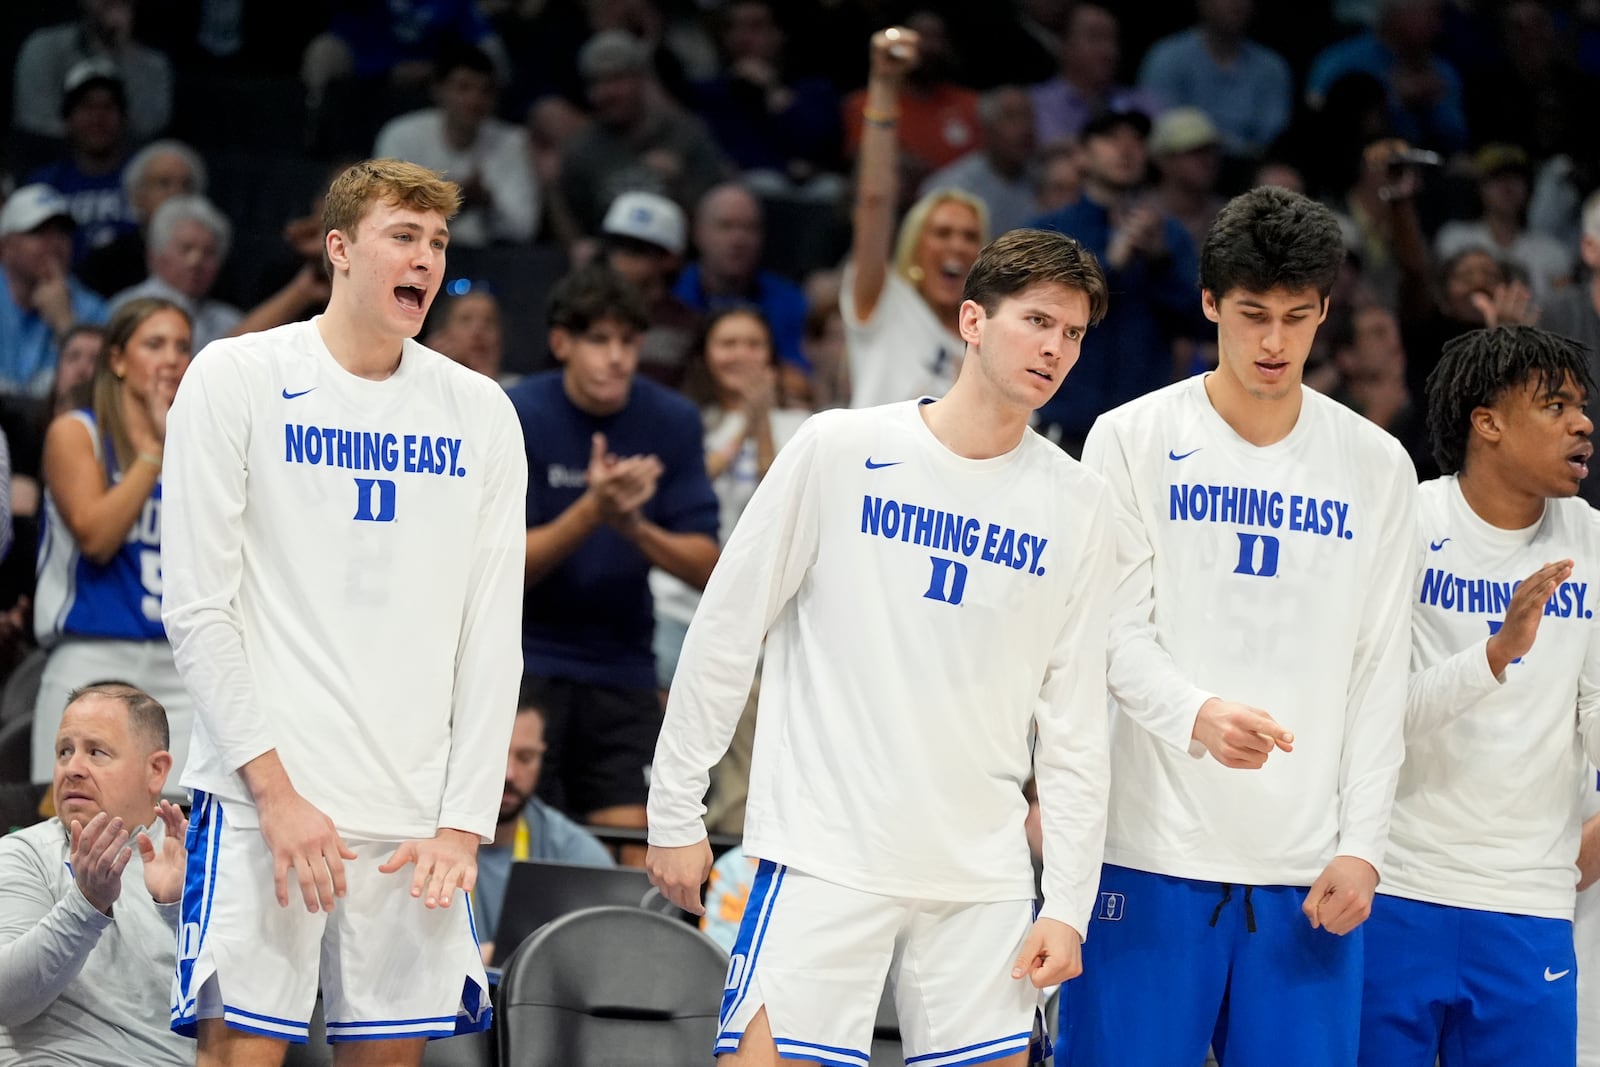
<point>98,604</point>
<point>900,315</point>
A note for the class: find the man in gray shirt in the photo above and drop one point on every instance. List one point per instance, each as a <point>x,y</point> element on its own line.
<point>89,900</point>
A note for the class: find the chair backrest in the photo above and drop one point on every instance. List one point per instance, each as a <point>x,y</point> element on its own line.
<point>21,690</point>
<point>539,892</point>
<point>16,750</point>
<point>618,985</point>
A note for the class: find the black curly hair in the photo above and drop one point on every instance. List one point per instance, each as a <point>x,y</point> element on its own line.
<point>1271,238</point>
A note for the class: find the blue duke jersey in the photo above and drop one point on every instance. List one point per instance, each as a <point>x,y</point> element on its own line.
<point>922,612</point>
<point>1485,815</point>
<point>343,567</point>
<point>1275,576</point>
<point>119,599</point>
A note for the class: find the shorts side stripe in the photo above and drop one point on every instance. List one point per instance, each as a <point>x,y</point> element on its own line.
<point>451,1019</point>
<point>1009,1038</point>
<point>763,894</point>
<point>200,879</point>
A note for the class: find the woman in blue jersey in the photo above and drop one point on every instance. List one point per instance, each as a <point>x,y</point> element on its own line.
<point>98,603</point>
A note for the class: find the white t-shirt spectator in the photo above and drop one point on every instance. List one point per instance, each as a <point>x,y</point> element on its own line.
<point>499,158</point>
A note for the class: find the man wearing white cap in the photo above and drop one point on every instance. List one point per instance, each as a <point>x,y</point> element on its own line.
<point>40,300</point>
<point>643,237</point>
<point>1186,148</point>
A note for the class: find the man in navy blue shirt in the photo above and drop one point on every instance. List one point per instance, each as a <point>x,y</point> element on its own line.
<point>94,106</point>
<point>1151,266</point>
<point>617,484</point>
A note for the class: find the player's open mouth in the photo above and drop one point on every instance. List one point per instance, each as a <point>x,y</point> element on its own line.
<point>1041,374</point>
<point>1269,369</point>
<point>1578,462</point>
<point>409,296</point>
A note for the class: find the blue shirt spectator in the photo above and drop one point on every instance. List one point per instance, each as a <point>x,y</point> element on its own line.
<point>39,300</point>
<point>1244,87</point>
<point>1153,302</point>
<point>782,303</point>
<point>95,109</point>
<point>590,618</point>
<point>1425,94</point>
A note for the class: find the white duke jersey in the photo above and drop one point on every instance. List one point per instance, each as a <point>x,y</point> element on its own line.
<point>1275,576</point>
<point>922,613</point>
<point>1485,815</point>
<point>343,579</point>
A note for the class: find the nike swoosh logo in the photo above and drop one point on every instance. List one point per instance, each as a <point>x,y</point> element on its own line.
<point>1434,546</point>
<point>290,396</point>
<point>1175,457</point>
<point>1548,977</point>
<point>871,466</point>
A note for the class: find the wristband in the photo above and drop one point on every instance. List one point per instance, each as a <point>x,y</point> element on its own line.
<point>884,120</point>
<point>150,458</point>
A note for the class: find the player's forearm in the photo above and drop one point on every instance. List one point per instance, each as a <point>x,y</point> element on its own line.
<point>548,545</point>
<point>266,779</point>
<point>689,557</point>
<point>1436,696</point>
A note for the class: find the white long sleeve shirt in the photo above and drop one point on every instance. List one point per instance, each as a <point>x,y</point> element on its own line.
<point>343,579</point>
<point>499,157</point>
<point>922,613</point>
<point>1485,815</point>
<point>1276,576</point>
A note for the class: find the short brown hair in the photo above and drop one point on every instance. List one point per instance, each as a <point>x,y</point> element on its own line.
<point>1018,259</point>
<point>146,716</point>
<point>390,181</point>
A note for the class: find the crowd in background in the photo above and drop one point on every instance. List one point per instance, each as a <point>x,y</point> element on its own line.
<point>733,220</point>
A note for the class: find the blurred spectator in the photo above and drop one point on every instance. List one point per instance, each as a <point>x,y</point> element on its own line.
<point>746,417</point>
<point>1087,85</point>
<point>1185,147</point>
<point>729,237</point>
<point>1537,96</point>
<point>90,177</point>
<point>104,32</point>
<point>1150,263</point>
<point>617,485</point>
<point>784,128</point>
<point>41,299</point>
<point>1019,45</point>
<point>727,893</point>
<point>938,118</point>
<point>156,173</point>
<point>1424,92</point>
<point>469,331</point>
<point>1001,173</point>
<point>527,829</point>
<point>1503,175</point>
<point>461,138</point>
<point>396,41</point>
<point>900,307</point>
<point>1243,87</point>
<point>643,239</point>
<point>89,899</point>
<point>634,141</point>
<point>1575,312</point>
<point>824,344</point>
<point>189,239</point>
<point>1371,366</point>
<point>98,604</point>
<point>1281,173</point>
<point>1060,176</point>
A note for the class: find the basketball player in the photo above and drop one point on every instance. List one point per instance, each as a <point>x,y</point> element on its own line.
<point>932,578</point>
<point>1258,659</point>
<point>1469,957</point>
<point>343,582</point>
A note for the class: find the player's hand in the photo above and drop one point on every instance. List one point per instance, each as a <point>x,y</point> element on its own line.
<point>304,840</point>
<point>680,872</point>
<point>164,869</point>
<point>1051,954</point>
<point>1238,735</point>
<point>1341,898</point>
<point>1589,854</point>
<point>1515,636</point>
<point>97,854</point>
<point>445,862</point>
<point>894,52</point>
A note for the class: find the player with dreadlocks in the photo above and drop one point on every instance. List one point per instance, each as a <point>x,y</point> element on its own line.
<point>1470,948</point>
